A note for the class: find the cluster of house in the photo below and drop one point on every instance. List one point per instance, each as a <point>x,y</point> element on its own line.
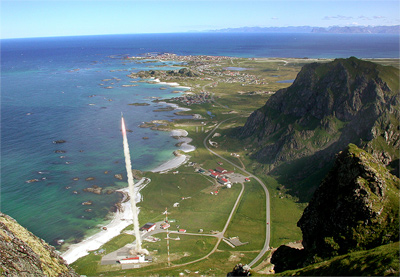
<point>220,173</point>
<point>203,97</point>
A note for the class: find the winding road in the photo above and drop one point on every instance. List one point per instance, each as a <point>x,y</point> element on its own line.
<point>267,204</point>
<point>114,256</point>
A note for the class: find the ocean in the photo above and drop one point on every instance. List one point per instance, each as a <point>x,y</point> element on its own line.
<point>56,89</point>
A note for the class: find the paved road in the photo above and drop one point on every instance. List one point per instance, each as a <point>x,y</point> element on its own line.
<point>123,252</point>
<point>112,258</point>
<point>268,227</point>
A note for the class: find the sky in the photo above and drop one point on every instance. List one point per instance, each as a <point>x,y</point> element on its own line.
<point>31,18</point>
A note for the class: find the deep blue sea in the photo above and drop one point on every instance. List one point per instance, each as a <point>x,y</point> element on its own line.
<point>54,89</point>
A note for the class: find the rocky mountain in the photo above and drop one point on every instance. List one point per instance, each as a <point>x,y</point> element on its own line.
<point>24,254</point>
<point>328,106</point>
<point>356,207</point>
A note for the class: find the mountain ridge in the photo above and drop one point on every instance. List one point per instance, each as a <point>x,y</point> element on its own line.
<point>328,106</point>
<point>355,208</point>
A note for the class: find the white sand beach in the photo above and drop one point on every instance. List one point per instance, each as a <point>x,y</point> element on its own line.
<point>185,146</point>
<point>171,164</point>
<point>175,106</point>
<point>172,84</point>
<point>178,160</point>
<point>121,219</point>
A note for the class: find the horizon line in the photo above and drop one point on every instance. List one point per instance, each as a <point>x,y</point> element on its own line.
<point>209,31</point>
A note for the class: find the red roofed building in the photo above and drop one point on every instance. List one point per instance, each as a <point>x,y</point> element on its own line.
<point>148,227</point>
<point>215,174</point>
<point>221,170</point>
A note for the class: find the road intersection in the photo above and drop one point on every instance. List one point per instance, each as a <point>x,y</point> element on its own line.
<point>121,253</point>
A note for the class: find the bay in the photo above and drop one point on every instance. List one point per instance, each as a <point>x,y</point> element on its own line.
<point>55,89</point>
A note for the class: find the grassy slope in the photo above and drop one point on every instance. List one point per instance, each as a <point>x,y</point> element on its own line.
<point>209,212</point>
<point>380,261</point>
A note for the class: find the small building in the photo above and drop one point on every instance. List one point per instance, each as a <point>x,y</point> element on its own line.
<point>165,225</point>
<point>176,205</point>
<point>182,231</point>
<point>247,179</point>
<point>215,174</point>
<point>148,227</point>
<point>223,181</point>
<point>220,169</point>
<point>134,260</point>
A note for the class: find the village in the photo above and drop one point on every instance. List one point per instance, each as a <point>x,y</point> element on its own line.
<point>200,68</point>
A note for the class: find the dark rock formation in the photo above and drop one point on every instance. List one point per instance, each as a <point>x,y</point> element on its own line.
<point>118,176</point>
<point>328,106</point>
<point>240,270</point>
<point>94,189</point>
<point>355,208</point>
<point>287,258</point>
<point>24,254</point>
<point>59,141</point>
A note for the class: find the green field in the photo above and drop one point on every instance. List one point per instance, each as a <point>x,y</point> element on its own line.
<point>198,208</point>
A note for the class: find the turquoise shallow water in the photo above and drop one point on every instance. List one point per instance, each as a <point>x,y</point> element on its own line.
<point>63,103</point>
<point>51,90</point>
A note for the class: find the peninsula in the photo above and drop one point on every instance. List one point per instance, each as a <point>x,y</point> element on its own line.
<point>221,204</point>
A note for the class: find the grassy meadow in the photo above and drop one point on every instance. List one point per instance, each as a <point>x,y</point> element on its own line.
<point>198,209</point>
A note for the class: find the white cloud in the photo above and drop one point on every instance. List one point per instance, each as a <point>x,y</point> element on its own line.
<point>337,17</point>
<point>363,17</point>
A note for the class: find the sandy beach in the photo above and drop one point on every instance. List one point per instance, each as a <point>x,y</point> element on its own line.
<point>175,106</point>
<point>121,219</point>
<point>178,160</point>
<point>172,84</point>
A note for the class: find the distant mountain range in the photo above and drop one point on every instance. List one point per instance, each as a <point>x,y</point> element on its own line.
<point>309,29</point>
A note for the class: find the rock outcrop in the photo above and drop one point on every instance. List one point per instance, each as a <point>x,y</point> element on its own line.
<point>24,254</point>
<point>355,208</point>
<point>328,106</point>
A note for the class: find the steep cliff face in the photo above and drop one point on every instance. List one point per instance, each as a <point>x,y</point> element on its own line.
<point>24,254</point>
<point>356,207</point>
<point>328,106</point>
